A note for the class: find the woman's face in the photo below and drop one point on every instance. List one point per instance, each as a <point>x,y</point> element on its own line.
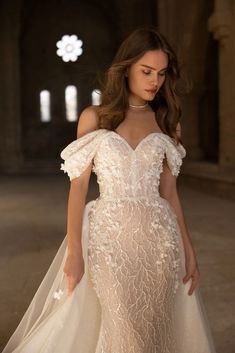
<point>146,76</point>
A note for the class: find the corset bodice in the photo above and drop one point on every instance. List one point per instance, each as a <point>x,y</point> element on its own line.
<point>121,170</point>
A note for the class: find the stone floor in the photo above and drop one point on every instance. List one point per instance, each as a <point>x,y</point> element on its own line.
<point>33,224</point>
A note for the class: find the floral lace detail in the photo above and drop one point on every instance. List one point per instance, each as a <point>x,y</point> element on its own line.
<point>58,294</point>
<point>134,264</point>
<point>79,153</point>
<point>174,153</point>
<point>134,239</point>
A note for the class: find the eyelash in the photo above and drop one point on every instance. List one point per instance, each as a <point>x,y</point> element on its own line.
<point>148,73</point>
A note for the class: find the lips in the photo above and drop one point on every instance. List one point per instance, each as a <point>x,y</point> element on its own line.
<point>151,91</point>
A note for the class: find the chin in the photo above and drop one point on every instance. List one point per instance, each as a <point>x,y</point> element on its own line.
<point>150,99</point>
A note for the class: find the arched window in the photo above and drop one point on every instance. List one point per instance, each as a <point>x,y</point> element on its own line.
<point>45,106</point>
<point>71,103</point>
<point>96,97</point>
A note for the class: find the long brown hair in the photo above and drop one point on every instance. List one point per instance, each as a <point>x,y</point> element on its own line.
<point>114,90</point>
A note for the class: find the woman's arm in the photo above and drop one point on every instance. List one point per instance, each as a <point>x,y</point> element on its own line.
<point>168,190</point>
<point>79,187</point>
<point>74,265</point>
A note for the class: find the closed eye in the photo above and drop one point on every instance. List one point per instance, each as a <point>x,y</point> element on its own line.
<point>146,72</point>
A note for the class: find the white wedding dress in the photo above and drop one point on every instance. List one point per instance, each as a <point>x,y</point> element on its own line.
<point>131,298</point>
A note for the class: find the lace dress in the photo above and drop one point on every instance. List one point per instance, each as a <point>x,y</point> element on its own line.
<point>131,298</point>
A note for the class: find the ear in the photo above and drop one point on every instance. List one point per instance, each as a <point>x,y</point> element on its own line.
<point>178,130</point>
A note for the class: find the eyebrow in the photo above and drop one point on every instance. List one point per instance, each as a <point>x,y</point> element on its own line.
<point>150,67</point>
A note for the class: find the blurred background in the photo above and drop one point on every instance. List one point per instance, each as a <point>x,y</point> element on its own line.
<point>51,55</point>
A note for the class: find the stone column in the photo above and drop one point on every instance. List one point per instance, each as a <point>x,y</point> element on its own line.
<point>10,132</point>
<point>223,28</point>
<point>190,47</point>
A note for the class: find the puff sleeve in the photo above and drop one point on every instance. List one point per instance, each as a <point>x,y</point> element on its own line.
<point>79,153</point>
<point>174,154</point>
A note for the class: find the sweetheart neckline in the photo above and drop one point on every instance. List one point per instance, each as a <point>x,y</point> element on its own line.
<point>134,150</point>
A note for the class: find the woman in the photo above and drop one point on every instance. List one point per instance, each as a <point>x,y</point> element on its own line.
<point>125,280</point>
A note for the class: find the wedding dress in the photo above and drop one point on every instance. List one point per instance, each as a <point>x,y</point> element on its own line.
<point>131,298</point>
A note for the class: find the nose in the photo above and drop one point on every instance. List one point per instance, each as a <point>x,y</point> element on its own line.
<point>154,85</point>
<point>155,81</point>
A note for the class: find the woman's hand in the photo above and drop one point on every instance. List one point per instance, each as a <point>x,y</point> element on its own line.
<point>74,270</point>
<point>192,271</point>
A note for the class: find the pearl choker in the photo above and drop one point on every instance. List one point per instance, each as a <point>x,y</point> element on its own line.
<point>138,106</point>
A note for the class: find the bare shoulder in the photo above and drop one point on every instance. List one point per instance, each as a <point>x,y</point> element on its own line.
<point>88,121</point>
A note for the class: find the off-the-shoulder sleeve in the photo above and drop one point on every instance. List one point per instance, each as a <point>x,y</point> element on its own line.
<point>79,153</point>
<point>174,154</point>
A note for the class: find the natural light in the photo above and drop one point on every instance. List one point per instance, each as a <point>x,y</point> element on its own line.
<point>71,103</point>
<point>45,106</point>
<point>96,97</point>
<point>69,48</point>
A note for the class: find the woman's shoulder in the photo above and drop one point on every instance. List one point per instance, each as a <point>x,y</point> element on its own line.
<point>88,121</point>
<point>88,134</point>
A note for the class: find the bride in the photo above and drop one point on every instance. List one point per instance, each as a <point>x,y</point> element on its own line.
<point>126,278</point>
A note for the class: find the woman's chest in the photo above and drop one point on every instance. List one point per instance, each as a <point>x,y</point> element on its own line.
<point>116,157</point>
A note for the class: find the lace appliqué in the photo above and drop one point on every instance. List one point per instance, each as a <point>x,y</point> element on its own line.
<point>174,153</point>
<point>134,249</point>
<point>79,153</point>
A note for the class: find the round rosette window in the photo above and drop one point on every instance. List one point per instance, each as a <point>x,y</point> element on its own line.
<point>69,48</point>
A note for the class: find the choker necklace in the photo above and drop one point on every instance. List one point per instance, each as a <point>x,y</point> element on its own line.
<point>138,106</point>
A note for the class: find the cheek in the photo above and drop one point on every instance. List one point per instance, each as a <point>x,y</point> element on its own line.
<point>162,80</point>
<point>131,84</point>
<point>135,80</point>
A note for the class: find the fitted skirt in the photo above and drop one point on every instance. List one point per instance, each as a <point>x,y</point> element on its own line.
<point>88,320</point>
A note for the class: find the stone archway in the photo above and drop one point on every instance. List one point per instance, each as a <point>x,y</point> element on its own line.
<point>42,69</point>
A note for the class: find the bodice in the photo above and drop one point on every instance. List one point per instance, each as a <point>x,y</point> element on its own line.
<point>121,170</point>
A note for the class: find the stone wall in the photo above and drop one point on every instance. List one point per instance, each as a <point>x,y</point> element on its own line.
<point>29,32</point>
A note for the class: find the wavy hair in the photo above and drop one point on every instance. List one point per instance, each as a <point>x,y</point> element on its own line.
<point>114,88</point>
